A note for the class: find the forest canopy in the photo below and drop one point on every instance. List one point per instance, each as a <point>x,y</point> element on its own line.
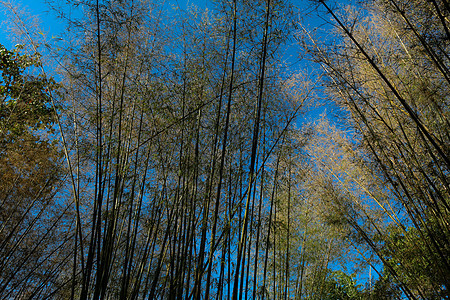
<point>244,150</point>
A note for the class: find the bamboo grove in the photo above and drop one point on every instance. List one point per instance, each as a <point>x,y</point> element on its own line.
<point>157,153</point>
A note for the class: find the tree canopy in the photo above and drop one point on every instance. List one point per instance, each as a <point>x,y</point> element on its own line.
<point>179,154</point>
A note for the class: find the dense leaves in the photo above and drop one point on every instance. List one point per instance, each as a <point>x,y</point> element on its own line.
<point>25,103</point>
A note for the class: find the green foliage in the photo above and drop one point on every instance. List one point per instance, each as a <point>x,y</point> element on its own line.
<point>342,286</point>
<point>409,253</point>
<point>28,159</point>
<point>384,289</point>
<point>339,285</point>
<point>25,102</point>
